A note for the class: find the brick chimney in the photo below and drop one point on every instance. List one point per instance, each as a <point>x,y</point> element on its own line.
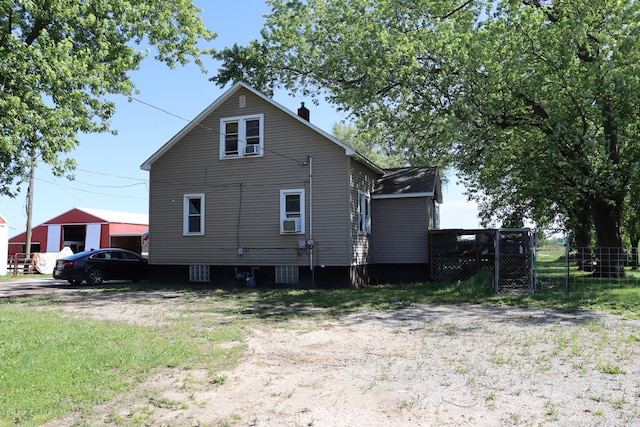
<point>303,111</point>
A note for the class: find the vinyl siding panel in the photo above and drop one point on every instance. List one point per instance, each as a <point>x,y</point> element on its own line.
<point>362,179</point>
<point>242,196</point>
<point>400,230</point>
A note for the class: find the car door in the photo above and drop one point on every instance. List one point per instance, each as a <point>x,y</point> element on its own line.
<point>117,268</point>
<point>134,265</point>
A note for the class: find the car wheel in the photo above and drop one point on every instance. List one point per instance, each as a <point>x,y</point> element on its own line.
<point>74,282</point>
<point>96,277</point>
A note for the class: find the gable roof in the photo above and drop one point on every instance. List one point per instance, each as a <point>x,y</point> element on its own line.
<point>223,98</point>
<point>409,182</point>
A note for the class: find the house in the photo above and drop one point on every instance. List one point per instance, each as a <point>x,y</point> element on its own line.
<point>251,193</point>
<point>84,228</point>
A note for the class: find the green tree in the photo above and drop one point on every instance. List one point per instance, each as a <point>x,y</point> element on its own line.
<point>61,59</point>
<point>535,102</point>
<point>369,144</point>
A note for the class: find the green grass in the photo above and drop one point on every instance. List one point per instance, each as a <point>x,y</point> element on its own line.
<point>53,364</point>
<point>284,304</point>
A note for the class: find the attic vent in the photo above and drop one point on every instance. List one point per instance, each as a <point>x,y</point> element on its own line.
<point>242,101</point>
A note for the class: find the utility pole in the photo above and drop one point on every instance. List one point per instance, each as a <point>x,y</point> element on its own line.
<point>29,207</point>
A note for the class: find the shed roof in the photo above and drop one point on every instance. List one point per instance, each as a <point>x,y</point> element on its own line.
<point>409,182</point>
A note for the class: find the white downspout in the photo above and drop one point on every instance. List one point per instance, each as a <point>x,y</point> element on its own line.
<point>313,279</point>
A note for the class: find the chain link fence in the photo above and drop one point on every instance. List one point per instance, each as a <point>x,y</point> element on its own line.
<point>527,261</point>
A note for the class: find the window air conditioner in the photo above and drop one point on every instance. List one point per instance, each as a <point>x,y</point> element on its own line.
<point>251,149</point>
<point>291,225</point>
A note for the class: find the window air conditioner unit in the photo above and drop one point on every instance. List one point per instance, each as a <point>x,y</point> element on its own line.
<point>291,225</point>
<point>251,149</point>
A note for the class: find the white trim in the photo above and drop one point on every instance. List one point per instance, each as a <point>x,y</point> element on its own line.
<point>364,213</point>
<point>403,196</point>
<point>185,214</point>
<point>283,213</point>
<point>242,136</point>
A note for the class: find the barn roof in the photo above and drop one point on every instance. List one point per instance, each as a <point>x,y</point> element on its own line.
<point>100,215</point>
<point>117,216</point>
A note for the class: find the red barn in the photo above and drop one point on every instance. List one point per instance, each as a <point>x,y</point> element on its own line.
<point>83,228</point>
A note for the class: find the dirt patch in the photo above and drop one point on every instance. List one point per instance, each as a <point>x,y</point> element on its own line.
<point>427,365</point>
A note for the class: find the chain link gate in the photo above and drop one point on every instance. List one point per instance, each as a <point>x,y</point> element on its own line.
<point>514,259</point>
<point>531,261</point>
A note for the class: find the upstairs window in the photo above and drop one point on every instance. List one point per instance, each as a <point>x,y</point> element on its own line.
<point>242,137</point>
<point>364,213</point>
<point>193,221</point>
<point>231,138</point>
<point>292,217</point>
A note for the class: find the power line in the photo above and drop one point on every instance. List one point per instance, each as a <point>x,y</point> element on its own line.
<point>172,114</point>
<point>111,175</point>
<point>86,191</point>
<point>110,186</point>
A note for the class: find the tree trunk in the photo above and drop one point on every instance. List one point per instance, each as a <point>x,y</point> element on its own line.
<point>607,220</point>
<point>582,240</point>
<point>635,240</point>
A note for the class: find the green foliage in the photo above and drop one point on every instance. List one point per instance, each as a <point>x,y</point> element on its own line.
<point>534,102</point>
<point>365,142</point>
<point>59,61</point>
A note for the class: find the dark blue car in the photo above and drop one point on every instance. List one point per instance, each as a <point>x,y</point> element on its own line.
<point>98,265</point>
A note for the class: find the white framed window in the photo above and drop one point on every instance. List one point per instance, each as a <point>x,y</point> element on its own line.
<point>292,216</point>
<point>193,215</point>
<point>364,213</point>
<point>242,136</point>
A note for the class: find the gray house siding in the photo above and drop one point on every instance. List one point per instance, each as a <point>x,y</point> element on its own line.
<point>400,230</point>
<point>362,179</point>
<point>242,196</point>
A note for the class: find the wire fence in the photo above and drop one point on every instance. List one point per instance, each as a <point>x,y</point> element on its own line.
<point>559,268</point>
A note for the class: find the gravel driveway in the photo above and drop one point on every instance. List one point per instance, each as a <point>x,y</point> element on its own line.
<point>427,365</point>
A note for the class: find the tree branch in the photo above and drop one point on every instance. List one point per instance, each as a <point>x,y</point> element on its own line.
<point>36,31</point>
<point>456,10</point>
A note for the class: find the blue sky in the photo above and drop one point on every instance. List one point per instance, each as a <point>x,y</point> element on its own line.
<point>109,175</point>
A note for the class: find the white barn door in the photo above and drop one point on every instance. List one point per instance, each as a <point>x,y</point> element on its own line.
<point>53,238</point>
<point>92,239</point>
